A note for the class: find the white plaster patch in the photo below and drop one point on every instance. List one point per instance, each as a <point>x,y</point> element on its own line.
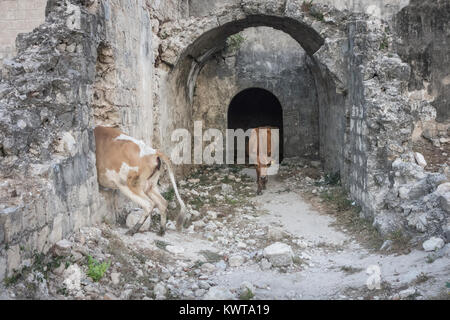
<point>74,20</point>
<point>145,150</point>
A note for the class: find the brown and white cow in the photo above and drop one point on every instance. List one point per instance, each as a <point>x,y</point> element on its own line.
<point>129,165</point>
<point>264,158</point>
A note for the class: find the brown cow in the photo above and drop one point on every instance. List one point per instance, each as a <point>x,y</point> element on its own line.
<point>263,159</point>
<point>129,165</point>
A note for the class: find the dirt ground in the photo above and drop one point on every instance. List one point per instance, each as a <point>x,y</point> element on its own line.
<point>221,252</point>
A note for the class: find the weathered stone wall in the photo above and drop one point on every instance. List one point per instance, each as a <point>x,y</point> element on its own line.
<point>47,104</point>
<point>18,16</point>
<point>271,60</point>
<point>424,42</point>
<point>384,9</point>
<point>47,163</point>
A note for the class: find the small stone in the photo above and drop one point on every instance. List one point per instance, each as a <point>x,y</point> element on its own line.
<point>160,291</point>
<point>61,47</point>
<point>265,264</point>
<point>109,296</point>
<point>175,249</point>
<point>420,159</point>
<point>301,243</point>
<point>444,202</point>
<point>241,245</point>
<point>195,213</point>
<point>71,48</point>
<point>407,293</point>
<point>21,124</point>
<point>198,224</point>
<point>221,265</point>
<point>236,260</point>
<point>62,248</point>
<point>60,270</point>
<point>125,295</point>
<point>275,234</point>
<point>433,244</point>
<point>170,225</point>
<point>211,226</point>
<point>246,286</point>
<point>91,288</point>
<point>172,205</point>
<point>212,215</point>
<point>72,278</point>
<point>218,293</point>
<point>226,188</point>
<point>115,278</point>
<point>204,285</point>
<point>208,267</point>
<point>135,217</point>
<point>386,245</point>
<point>279,254</point>
<point>76,256</point>
<point>199,292</point>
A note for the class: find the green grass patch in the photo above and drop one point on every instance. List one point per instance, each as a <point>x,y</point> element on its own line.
<point>235,41</point>
<point>169,195</point>
<point>350,269</point>
<point>161,244</point>
<point>247,294</point>
<point>338,197</point>
<point>96,270</point>
<point>210,256</point>
<point>196,202</point>
<point>384,43</point>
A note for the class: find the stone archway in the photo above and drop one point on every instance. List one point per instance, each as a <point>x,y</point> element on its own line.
<point>359,135</point>
<point>255,107</point>
<point>184,52</point>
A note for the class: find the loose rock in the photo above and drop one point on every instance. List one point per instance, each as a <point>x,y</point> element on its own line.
<point>433,244</point>
<point>279,254</point>
<point>218,293</point>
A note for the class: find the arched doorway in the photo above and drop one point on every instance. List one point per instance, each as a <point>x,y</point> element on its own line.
<point>256,107</point>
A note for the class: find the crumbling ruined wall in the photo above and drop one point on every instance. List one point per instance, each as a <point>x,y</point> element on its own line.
<point>423,28</point>
<point>268,59</point>
<point>384,9</point>
<point>49,185</point>
<point>47,104</point>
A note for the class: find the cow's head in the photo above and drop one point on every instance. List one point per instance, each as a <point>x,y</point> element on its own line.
<point>264,166</point>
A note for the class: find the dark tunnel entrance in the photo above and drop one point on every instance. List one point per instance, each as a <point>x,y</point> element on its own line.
<point>255,107</point>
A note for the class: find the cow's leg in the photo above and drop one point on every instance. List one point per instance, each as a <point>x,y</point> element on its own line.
<point>161,203</point>
<point>264,179</point>
<point>142,201</point>
<point>258,180</point>
<point>141,222</point>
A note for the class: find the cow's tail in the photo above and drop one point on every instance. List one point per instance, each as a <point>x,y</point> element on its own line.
<point>182,214</point>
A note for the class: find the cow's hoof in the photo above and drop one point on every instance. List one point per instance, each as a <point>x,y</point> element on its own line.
<point>162,231</point>
<point>259,192</point>
<point>130,232</point>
